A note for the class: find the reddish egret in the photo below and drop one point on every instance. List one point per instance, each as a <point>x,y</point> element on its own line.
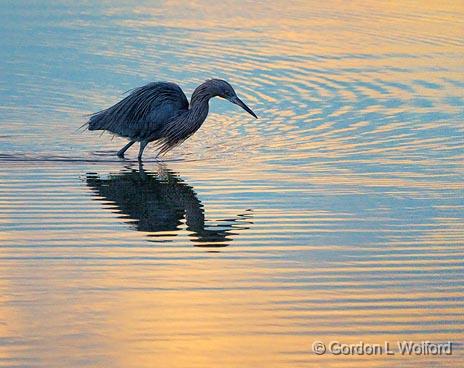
<point>160,112</point>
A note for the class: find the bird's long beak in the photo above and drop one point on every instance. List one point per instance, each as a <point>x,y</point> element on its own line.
<point>240,103</point>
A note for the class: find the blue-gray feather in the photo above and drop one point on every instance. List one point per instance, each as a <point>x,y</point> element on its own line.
<point>143,113</point>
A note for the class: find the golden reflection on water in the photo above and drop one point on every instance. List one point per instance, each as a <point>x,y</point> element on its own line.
<point>80,279</point>
<point>340,207</point>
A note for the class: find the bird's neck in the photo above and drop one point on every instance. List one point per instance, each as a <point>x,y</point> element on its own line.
<point>202,94</point>
<point>199,102</point>
<point>199,106</point>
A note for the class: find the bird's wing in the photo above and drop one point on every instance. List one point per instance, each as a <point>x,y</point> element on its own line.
<point>143,112</point>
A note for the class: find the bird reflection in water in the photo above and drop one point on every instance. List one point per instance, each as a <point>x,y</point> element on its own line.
<point>158,203</point>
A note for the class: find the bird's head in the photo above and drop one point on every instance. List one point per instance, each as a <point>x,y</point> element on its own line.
<point>223,89</point>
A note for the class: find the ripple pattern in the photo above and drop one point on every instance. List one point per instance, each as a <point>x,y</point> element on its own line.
<point>337,215</point>
<point>331,266</point>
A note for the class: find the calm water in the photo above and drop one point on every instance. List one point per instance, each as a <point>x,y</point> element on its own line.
<point>338,215</point>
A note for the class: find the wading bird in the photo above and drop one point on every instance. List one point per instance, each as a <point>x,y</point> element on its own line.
<point>160,112</point>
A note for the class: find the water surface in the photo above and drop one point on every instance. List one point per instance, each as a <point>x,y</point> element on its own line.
<point>338,215</point>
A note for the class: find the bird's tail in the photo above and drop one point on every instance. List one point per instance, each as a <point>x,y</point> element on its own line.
<point>83,127</point>
<point>95,122</point>
<point>91,124</point>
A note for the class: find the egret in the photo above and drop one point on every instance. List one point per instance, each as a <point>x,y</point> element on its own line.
<point>160,112</point>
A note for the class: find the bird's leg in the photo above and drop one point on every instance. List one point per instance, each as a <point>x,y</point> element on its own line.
<point>125,148</point>
<point>143,144</point>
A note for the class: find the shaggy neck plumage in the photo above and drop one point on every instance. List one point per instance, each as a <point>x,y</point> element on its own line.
<point>190,120</point>
<point>202,94</point>
<point>199,107</point>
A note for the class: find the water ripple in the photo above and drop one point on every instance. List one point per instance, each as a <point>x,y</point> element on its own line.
<point>341,207</point>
